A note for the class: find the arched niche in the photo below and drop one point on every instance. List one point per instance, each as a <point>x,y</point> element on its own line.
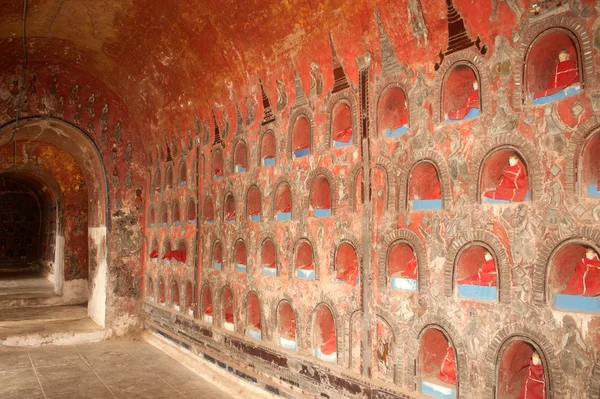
<point>181,253</point>
<point>392,112</point>
<point>268,258</point>
<point>286,326</point>
<point>436,368</point>
<point>573,281</point>
<point>424,187</point>
<point>553,66</point>
<point>162,294</point>
<point>461,93</point>
<point>191,211</point>
<point>206,305</point>
<point>320,197</point>
<point>253,316</point>
<point>253,203</point>
<point>240,157</point>
<point>303,260</point>
<point>476,273</point>
<point>154,250</point>
<point>175,302</point>
<point>346,264</point>
<point>169,177</point>
<point>283,202</point>
<point>176,214</point>
<point>380,192</point>
<point>218,164</point>
<point>227,309</point>
<point>190,304</point>
<point>240,256</point>
<point>504,177</point>
<point>588,166</point>
<point>167,248</point>
<point>358,190</point>
<point>324,334</point>
<point>301,137</point>
<point>209,211</point>
<point>268,147</point>
<point>164,215</point>
<point>402,267</point>
<point>384,350</point>
<point>341,124</point>
<point>157,181</point>
<point>217,256</point>
<point>516,374</point>
<point>183,174</point>
<point>150,289</point>
<point>152,217</point>
<point>229,213</point>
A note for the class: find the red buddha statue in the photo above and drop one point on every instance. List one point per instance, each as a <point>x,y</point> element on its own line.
<point>586,279</point>
<point>534,385</point>
<point>230,215</point>
<point>208,310</point>
<point>472,103</point>
<point>218,172</point>
<point>344,135</point>
<point>154,254</point>
<point>349,274</point>
<point>447,370</point>
<point>328,347</point>
<point>411,269</point>
<point>565,75</point>
<point>513,184</point>
<point>291,333</point>
<point>486,275</point>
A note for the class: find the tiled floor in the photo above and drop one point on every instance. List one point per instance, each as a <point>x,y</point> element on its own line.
<point>109,369</point>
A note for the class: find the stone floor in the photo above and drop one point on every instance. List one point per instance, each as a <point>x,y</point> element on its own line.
<point>108,369</point>
<point>25,284</point>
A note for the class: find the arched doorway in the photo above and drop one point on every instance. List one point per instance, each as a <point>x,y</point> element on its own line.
<point>53,157</point>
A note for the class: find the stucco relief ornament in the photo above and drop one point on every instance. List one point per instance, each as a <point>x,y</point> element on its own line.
<point>250,110</point>
<point>316,81</point>
<point>553,129</point>
<point>501,60</point>
<point>128,153</point>
<point>522,244</point>
<point>206,138</point>
<point>226,125</point>
<point>77,115</point>
<point>104,115</point>
<point>90,104</point>
<point>433,236</point>
<point>91,125</point>
<point>457,162</point>
<point>74,96</point>
<point>281,96</point>
<point>117,132</point>
<point>103,137</point>
<point>573,351</point>
<point>513,6</point>
<point>596,28</point>
<point>417,21</point>
<point>505,121</point>
<point>128,181</point>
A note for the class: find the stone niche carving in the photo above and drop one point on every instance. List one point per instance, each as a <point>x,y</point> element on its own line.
<point>324,335</point>
<point>253,204</point>
<point>217,256</point>
<point>301,143</point>
<point>380,195</point>
<point>191,211</point>
<point>206,305</point>
<point>190,304</point>
<point>164,215</point>
<point>476,273</point>
<point>268,148</point>
<point>521,371</point>
<point>229,212</point>
<point>436,368</point>
<point>384,351</point>
<point>283,202</point>
<point>253,316</point>
<point>392,112</point>
<point>320,197</point>
<point>183,174</point>
<point>209,211</point>
<point>268,258</point>
<point>175,303</point>
<point>176,214</point>
<point>240,157</point>
<point>505,177</point>
<point>217,163</point>
<point>304,266</point>
<point>574,277</point>
<point>424,188</point>
<point>286,326</point>
<point>553,67</point>
<point>346,266</point>
<point>162,295</point>
<point>402,267</point>
<point>342,125</point>
<point>461,93</point>
<point>227,309</point>
<point>240,256</point>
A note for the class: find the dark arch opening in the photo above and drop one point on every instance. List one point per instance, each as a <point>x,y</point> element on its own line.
<point>324,334</point>
<point>267,150</point>
<point>461,94</point>
<point>341,125</point>
<point>253,317</point>
<point>301,137</point>
<point>240,157</point>
<point>303,260</point>
<point>268,258</point>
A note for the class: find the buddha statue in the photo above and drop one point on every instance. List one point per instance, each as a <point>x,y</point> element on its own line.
<point>410,271</point>
<point>486,275</point>
<point>447,370</point>
<point>470,109</point>
<point>349,273</point>
<point>230,216</point>
<point>586,278</point>
<point>534,385</point>
<point>564,82</point>
<point>343,136</point>
<point>400,124</point>
<point>513,185</point>
<point>328,346</point>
